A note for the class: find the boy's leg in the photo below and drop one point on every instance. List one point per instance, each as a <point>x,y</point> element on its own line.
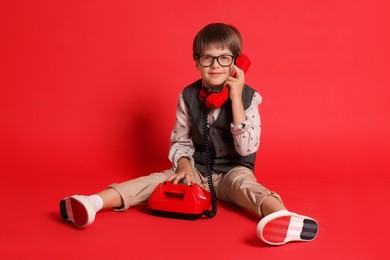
<point>81,210</point>
<point>278,225</point>
<point>240,187</point>
<point>271,204</point>
<point>136,191</point>
<point>111,199</point>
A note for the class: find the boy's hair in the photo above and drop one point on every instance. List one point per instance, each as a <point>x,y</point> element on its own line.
<point>219,35</point>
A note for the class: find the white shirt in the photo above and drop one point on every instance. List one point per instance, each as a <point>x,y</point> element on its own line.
<point>246,135</point>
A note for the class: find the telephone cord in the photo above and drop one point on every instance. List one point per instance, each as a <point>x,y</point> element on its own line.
<point>206,130</point>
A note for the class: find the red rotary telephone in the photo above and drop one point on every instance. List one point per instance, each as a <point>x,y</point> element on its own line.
<point>179,201</point>
<point>216,100</point>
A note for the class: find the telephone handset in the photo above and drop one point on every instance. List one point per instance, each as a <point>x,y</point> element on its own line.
<point>216,100</point>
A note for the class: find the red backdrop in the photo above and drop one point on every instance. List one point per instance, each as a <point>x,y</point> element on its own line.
<point>84,83</point>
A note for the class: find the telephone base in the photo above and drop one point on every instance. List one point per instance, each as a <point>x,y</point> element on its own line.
<point>179,201</point>
<point>176,215</point>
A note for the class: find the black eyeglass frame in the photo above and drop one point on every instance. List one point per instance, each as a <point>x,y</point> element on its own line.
<point>216,58</point>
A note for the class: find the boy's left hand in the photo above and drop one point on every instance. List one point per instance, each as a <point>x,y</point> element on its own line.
<point>236,84</point>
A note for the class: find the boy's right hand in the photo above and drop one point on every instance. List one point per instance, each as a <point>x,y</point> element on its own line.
<point>184,171</point>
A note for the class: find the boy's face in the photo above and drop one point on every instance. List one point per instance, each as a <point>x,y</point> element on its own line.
<point>215,75</point>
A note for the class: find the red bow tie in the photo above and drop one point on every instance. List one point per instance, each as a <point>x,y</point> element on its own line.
<point>203,94</point>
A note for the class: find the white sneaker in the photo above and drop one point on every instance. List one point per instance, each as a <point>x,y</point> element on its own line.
<point>284,226</point>
<point>78,209</point>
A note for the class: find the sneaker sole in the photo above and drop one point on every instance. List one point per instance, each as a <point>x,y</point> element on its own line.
<point>73,209</point>
<point>291,227</point>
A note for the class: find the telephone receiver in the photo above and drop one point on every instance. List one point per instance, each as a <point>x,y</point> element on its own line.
<point>216,100</point>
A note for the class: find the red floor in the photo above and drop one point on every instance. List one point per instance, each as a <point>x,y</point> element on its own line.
<point>348,200</point>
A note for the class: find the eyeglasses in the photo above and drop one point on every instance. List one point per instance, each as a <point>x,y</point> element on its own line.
<point>223,60</point>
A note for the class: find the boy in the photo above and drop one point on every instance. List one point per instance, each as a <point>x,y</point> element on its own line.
<point>232,139</point>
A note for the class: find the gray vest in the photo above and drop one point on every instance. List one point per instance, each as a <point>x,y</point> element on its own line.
<point>223,154</point>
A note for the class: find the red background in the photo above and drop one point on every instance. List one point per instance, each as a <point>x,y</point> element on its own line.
<point>84,82</point>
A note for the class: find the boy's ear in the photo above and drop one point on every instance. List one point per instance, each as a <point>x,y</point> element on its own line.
<point>197,65</point>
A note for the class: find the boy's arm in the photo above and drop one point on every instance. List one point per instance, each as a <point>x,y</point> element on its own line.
<point>246,124</point>
<point>181,144</point>
<point>236,86</point>
<point>246,135</point>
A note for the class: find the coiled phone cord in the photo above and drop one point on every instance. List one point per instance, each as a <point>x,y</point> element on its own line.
<point>206,130</point>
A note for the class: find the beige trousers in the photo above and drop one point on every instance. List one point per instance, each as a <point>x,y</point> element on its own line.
<point>239,186</point>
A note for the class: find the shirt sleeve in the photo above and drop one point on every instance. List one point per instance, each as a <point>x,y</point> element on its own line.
<point>246,135</point>
<point>181,144</point>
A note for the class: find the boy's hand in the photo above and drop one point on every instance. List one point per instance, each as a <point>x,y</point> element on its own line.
<point>236,84</point>
<point>184,171</point>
